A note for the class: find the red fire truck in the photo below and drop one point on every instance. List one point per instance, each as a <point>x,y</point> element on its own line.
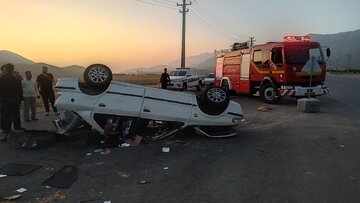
<point>295,67</point>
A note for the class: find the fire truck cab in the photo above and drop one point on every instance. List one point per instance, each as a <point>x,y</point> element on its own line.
<point>295,67</point>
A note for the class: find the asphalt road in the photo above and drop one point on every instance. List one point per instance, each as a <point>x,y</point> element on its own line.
<point>281,155</point>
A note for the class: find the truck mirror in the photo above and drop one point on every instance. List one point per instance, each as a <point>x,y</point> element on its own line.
<point>328,52</point>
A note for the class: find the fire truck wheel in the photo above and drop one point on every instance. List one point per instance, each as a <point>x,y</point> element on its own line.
<point>98,76</point>
<point>269,94</point>
<point>216,97</point>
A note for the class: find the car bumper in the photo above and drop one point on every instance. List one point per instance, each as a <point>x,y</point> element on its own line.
<point>299,91</point>
<point>175,85</point>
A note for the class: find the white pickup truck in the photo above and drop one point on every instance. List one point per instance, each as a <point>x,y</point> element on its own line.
<point>184,78</point>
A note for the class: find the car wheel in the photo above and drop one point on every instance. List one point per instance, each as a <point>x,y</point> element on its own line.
<point>216,96</point>
<point>98,75</point>
<point>198,88</point>
<point>184,88</point>
<point>269,94</point>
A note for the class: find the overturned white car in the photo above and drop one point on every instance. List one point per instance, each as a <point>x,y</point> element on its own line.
<point>162,112</point>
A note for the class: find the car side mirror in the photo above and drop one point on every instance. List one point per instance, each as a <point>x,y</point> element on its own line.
<point>328,52</point>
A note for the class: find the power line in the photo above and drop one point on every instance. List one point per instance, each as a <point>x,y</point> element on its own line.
<point>174,2</point>
<point>165,3</point>
<point>211,27</point>
<point>206,14</point>
<point>154,4</point>
<point>209,18</point>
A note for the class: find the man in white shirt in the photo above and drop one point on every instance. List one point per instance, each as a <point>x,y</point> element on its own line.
<point>30,92</point>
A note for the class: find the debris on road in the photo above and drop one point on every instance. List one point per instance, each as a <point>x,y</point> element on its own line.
<point>12,197</point>
<point>264,108</point>
<point>125,145</point>
<point>88,154</point>
<point>21,190</point>
<point>107,151</point>
<point>37,139</point>
<point>63,178</point>
<point>2,176</point>
<point>340,145</point>
<point>124,174</point>
<point>56,197</point>
<point>166,168</point>
<point>98,150</point>
<point>135,142</point>
<point>144,182</point>
<point>107,201</point>
<point>14,169</point>
<point>165,149</point>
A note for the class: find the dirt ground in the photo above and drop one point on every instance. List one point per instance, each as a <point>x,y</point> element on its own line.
<point>279,155</point>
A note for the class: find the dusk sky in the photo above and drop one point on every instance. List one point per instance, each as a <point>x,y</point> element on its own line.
<point>132,33</point>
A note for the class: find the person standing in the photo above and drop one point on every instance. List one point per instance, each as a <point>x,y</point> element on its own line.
<point>30,92</point>
<point>1,74</point>
<point>164,79</point>
<point>45,84</point>
<point>11,94</point>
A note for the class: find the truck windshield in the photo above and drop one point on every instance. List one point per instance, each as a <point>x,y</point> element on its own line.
<point>295,54</point>
<point>178,73</point>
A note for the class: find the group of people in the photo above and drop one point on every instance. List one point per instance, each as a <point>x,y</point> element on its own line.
<point>14,89</point>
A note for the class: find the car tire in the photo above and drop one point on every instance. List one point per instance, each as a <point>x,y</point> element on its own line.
<point>216,97</point>
<point>269,94</point>
<point>199,86</point>
<point>98,76</point>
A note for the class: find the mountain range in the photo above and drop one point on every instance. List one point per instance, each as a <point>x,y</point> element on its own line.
<point>204,61</point>
<point>345,53</point>
<point>345,49</point>
<point>23,64</point>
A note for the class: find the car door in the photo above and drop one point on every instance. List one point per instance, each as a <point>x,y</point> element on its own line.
<point>192,78</point>
<point>166,105</point>
<point>121,99</point>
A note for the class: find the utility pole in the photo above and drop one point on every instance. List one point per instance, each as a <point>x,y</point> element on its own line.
<point>252,40</point>
<point>184,10</point>
<point>349,59</point>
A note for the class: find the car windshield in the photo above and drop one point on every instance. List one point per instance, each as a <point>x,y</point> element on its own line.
<point>211,75</point>
<point>295,54</point>
<point>178,73</point>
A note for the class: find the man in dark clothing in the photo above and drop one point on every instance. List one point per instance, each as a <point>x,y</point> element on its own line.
<point>1,74</point>
<point>12,95</point>
<point>45,85</point>
<point>164,79</point>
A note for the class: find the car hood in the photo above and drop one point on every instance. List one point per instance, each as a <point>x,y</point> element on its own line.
<point>176,77</point>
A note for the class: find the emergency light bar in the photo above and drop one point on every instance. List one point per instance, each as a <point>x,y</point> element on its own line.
<point>296,38</point>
